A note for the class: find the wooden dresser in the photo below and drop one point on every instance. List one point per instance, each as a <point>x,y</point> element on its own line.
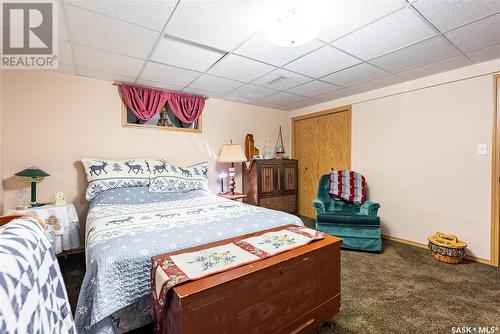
<point>271,184</point>
<point>292,292</point>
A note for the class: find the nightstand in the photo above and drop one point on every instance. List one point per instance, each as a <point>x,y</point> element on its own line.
<point>63,226</point>
<point>233,197</point>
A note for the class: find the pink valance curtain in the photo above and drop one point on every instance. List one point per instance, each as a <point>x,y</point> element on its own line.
<point>146,102</point>
<point>186,107</point>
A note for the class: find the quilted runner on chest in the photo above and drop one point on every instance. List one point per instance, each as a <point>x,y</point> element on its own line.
<point>171,270</point>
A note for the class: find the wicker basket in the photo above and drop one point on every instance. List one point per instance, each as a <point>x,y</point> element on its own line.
<point>447,259</point>
<point>447,248</point>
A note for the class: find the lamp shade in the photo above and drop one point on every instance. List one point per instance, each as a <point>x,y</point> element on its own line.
<point>231,153</point>
<point>32,172</point>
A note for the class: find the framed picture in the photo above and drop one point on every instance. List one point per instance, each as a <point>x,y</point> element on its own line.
<point>164,120</point>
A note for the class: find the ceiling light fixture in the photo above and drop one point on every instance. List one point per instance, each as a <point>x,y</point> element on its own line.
<point>292,27</point>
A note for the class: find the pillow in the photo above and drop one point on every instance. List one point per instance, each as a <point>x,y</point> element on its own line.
<point>110,174</point>
<point>165,178</point>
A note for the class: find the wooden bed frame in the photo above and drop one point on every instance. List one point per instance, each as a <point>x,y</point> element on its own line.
<point>292,292</point>
<point>5,219</point>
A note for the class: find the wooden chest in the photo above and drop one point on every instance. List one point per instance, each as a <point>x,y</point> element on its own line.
<point>271,184</point>
<point>293,292</point>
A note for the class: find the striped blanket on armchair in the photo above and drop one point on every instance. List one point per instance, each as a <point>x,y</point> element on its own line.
<point>347,185</point>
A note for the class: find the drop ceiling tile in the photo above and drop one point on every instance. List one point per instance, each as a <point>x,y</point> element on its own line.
<point>156,84</point>
<point>321,62</point>
<point>266,104</point>
<point>282,99</point>
<point>65,54</point>
<point>102,75</point>
<point>320,99</point>
<point>251,92</point>
<point>435,67</point>
<point>259,48</point>
<point>343,17</point>
<point>282,79</point>
<point>334,95</point>
<point>377,83</point>
<point>392,32</point>
<point>101,32</point>
<point>240,68</point>
<point>237,99</point>
<point>298,105</point>
<point>355,75</point>
<point>313,88</point>
<point>476,35</point>
<point>101,61</point>
<point>149,14</point>
<point>220,24</point>
<point>182,54</point>
<point>215,84</point>
<point>168,74</point>
<point>201,92</point>
<point>449,14</point>
<point>485,54</point>
<point>418,54</point>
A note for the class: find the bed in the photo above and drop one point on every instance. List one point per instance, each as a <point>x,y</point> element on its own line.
<point>127,226</point>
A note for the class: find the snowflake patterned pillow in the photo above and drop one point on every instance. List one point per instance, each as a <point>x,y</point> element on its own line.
<point>110,174</point>
<point>165,178</point>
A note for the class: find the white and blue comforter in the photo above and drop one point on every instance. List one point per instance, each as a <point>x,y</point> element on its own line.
<point>127,226</point>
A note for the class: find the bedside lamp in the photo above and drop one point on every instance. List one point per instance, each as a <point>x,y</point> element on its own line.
<point>36,175</point>
<point>231,153</point>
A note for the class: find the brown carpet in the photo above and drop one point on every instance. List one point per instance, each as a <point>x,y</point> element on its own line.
<point>402,290</point>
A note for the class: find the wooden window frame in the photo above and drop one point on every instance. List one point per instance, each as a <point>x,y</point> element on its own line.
<point>125,124</point>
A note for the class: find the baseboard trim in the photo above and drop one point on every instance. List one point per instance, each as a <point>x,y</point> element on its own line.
<point>424,246</point>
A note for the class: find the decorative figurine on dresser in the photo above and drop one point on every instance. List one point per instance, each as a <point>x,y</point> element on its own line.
<point>272,184</point>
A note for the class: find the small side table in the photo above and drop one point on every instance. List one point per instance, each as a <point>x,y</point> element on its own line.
<point>63,226</point>
<point>234,197</point>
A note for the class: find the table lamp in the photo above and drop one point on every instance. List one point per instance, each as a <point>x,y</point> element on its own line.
<point>36,175</point>
<point>231,153</point>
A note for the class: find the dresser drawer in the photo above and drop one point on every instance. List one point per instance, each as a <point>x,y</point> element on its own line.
<point>281,203</point>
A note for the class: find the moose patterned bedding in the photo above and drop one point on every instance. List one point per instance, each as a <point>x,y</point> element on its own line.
<point>127,226</point>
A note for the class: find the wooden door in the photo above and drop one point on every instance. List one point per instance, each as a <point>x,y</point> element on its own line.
<point>321,141</point>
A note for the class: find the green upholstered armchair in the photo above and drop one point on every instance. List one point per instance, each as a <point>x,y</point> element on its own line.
<point>357,225</point>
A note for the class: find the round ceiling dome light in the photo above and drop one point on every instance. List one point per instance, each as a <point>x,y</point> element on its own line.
<point>292,27</point>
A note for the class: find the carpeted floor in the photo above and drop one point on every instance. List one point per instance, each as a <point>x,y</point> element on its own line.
<point>402,290</point>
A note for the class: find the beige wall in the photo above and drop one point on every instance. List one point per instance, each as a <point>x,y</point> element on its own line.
<point>52,120</point>
<point>416,144</point>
